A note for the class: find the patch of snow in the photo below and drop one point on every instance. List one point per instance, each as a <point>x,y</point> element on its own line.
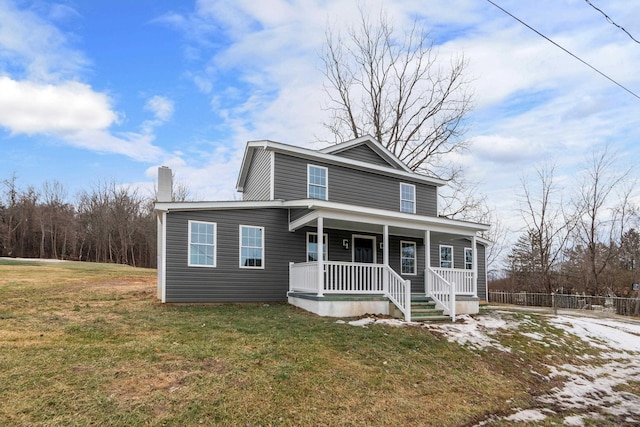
<point>574,420</point>
<point>595,386</point>
<point>393,322</point>
<point>601,333</point>
<point>363,322</point>
<point>472,332</point>
<point>527,415</point>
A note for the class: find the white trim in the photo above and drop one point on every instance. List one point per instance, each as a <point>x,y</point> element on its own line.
<point>272,177</point>
<point>215,243</point>
<point>363,236</point>
<point>415,258</point>
<point>319,156</point>
<point>326,177</point>
<point>325,243</point>
<point>440,255</point>
<point>262,248</point>
<point>163,256</point>
<point>465,258</point>
<point>218,205</point>
<point>321,260</point>
<point>415,197</point>
<point>385,245</point>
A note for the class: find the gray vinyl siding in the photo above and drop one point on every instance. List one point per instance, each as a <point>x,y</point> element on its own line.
<point>258,183</point>
<point>227,282</point>
<point>364,153</point>
<point>350,186</point>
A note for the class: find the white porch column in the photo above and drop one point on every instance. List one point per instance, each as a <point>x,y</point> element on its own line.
<point>385,245</point>
<point>427,260</point>
<point>475,265</point>
<point>320,278</point>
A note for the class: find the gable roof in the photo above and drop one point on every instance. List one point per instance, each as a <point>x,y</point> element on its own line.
<point>332,155</point>
<point>372,144</point>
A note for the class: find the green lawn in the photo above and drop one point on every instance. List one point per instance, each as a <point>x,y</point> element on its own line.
<point>85,344</point>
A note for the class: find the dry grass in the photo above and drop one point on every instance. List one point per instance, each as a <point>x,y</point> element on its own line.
<point>88,344</point>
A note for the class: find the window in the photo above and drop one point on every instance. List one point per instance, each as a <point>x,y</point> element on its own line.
<point>468,259</point>
<point>407,198</point>
<point>202,244</point>
<point>312,247</point>
<point>408,257</point>
<point>317,182</point>
<point>446,256</point>
<point>251,247</point>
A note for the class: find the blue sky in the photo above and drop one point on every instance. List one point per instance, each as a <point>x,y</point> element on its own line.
<point>107,91</point>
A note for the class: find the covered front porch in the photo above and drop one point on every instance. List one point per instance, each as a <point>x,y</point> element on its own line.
<point>382,276</point>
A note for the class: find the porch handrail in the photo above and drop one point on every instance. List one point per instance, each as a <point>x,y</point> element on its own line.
<point>398,291</point>
<point>461,279</point>
<point>441,291</point>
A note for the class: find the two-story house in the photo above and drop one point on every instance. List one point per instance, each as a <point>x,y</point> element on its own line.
<point>342,231</point>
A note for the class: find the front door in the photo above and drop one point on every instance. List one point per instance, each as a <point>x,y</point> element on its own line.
<point>364,249</point>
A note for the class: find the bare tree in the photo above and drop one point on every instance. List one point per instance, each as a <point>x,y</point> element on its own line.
<point>398,91</point>
<point>497,235</point>
<point>548,225</point>
<point>600,217</point>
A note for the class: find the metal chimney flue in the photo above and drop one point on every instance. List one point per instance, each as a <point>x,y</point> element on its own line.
<point>165,184</point>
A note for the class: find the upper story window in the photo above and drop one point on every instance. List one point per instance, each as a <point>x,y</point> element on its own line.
<point>468,259</point>
<point>312,247</point>
<point>408,257</point>
<point>407,198</point>
<point>446,256</point>
<point>251,247</point>
<point>202,244</point>
<point>317,182</point>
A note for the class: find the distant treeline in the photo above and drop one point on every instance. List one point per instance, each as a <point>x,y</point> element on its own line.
<point>108,223</point>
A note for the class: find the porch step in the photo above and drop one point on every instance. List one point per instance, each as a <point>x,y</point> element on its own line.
<point>423,309</point>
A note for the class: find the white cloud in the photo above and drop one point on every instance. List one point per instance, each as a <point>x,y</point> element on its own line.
<point>42,93</point>
<point>72,112</point>
<point>35,46</point>
<point>161,107</point>
<point>29,108</point>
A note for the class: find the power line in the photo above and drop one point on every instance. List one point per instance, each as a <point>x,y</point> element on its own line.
<point>611,21</point>
<point>557,45</point>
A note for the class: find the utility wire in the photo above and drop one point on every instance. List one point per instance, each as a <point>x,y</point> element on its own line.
<point>611,21</point>
<point>557,45</point>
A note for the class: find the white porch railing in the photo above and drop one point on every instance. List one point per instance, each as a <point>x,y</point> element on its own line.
<point>304,276</point>
<point>461,279</point>
<point>352,278</point>
<point>441,291</point>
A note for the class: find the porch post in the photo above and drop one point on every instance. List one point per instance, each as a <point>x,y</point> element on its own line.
<point>474,256</point>
<point>427,260</point>
<point>385,245</point>
<point>320,278</point>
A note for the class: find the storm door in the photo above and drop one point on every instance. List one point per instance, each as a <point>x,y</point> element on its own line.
<point>364,249</point>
